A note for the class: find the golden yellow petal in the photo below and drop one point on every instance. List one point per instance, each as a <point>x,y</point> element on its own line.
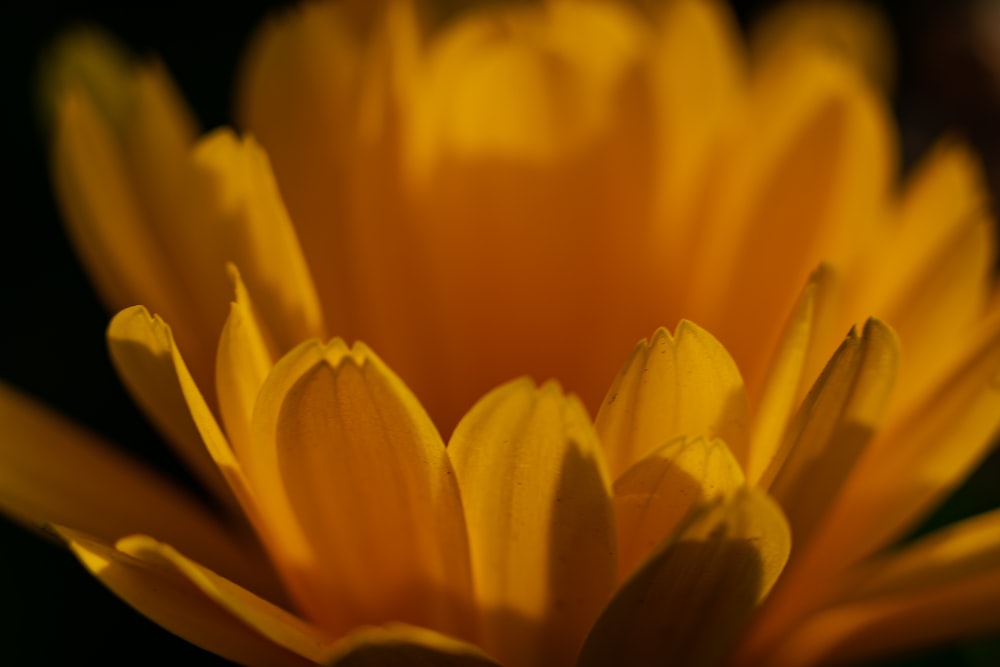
<point>790,372</point>
<point>245,357</point>
<point>169,599</point>
<point>297,95</point>
<point>340,439</point>
<point>803,181</point>
<point>272,622</point>
<point>945,437</point>
<point>144,348</point>
<point>855,31</point>
<point>540,521</point>
<point>653,496</point>
<point>832,427</point>
<point>680,384</point>
<point>397,644</point>
<point>693,597</point>
<point>142,352</point>
<point>256,234</point>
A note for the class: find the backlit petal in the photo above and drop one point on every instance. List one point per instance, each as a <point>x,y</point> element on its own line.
<point>272,622</point>
<point>832,427</point>
<point>540,521</point>
<point>692,598</point>
<point>340,439</point>
<point>653,496</point>
<point>681,384</point>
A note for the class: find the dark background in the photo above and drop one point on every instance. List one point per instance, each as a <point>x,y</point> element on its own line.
<point>52,326</point>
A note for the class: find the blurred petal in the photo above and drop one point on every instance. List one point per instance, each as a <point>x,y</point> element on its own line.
<point>169,599</point>
<point>681,384</point>
<point>692,598</point>
<point>653,496</point>
<point>340,439</point>
<point>941,588</point>
<point>52,471</point>
<point>540,521</point>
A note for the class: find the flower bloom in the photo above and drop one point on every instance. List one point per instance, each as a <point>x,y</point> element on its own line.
<point>526,190</point>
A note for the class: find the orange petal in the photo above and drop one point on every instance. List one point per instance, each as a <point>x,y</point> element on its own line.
<point>540,521</point>
<point>170,599</point>
<point>681,384</point>
<point>365,475</point>
<point>692,598</point>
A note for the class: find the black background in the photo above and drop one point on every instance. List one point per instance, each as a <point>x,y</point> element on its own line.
<point>52,326</point>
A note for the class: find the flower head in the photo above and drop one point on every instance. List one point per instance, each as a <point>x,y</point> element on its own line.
<point>527,189</point>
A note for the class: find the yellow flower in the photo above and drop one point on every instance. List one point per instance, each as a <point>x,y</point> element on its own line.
<point>526,189</point>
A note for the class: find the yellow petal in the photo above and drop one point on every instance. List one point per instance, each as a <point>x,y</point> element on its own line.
<point>832,427</point>
<point>244,359</point>
<point>815,145</point>
<point>340,439</point>
<point>946,436</point>
<point>145,351</point>
<point>791,370</point>
<point>296,93</point>
<point>653,496</point>
<point>692,598</point>
<point>397,644</point>
<point>256,234</point>
<point>53,471</point>
<point>856,31</point>
<point>540,521</point>
<point>141,351</point>
<point>272,622</point>
<point>172,601</point>
<point>681,384</point>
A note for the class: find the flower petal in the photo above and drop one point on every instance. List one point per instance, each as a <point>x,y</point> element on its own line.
<point>272,622</point>
<point>941,588</point>
<point>53,471</point>
<point>398,644</point>
<point>256,234</point>
<point>142,353</point>
<point>791,370</point>
<point>691,599</point>
<point>681,384</point>
<point>297,95</point>
<point>540,521</point>
<point>145,350</point>
<point>814,145</point>
<point>653,496</point>
<point>245,357</point>
<point>340,439</point>
<point>946,435</point>
<point>171,600</point>
<point>832,427</point>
